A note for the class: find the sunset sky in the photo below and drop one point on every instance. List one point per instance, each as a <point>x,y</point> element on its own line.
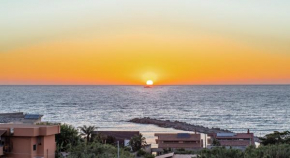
<point>114,42</point>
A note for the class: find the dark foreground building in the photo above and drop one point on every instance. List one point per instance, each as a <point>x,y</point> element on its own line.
<point>122,136</point>
<point>187,141</point>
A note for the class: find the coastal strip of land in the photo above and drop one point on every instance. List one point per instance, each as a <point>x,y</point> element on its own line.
<point>178,125</point>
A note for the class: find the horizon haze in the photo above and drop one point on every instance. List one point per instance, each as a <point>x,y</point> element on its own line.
<point>129,42</point>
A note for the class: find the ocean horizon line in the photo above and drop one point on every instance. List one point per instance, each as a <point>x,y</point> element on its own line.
<point>288,84</point>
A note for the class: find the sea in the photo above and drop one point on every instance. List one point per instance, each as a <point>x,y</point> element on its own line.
<point>260,108</point>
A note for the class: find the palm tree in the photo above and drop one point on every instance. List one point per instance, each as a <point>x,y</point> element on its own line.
<point>87,131</point>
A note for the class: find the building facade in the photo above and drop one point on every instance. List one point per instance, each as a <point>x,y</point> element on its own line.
<point>122,136</point>
<point>173,141</point>
<point>28,141</point>
<point>234,140</point>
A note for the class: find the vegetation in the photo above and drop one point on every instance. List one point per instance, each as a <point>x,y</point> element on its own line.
<point>110,140</point>
<point>276,138</point>
<point>147,155</point>
<point>221,152</point>
<point>48,123</point>
<point>70,141</point>
<point>269,151</point>
<point>99,138</point>
<point>141,152</point>
<point>183,151</point>
<point>97,150</point>
<point>274,145</point>
<point>87,131</point>
<point>168,150</point>
<point>144,154</point>
<point>178,151</point>
<point>215,142</point>
<point>69,136</point>
<point>137,142</point>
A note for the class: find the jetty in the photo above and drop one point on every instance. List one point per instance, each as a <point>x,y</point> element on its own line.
<point>178,125</point>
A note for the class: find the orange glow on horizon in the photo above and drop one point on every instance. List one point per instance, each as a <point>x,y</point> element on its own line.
<point>126,43</point>
<point>165,60</point>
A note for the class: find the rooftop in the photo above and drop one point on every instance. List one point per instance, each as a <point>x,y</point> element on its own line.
<point>20,117</point>
<point>26,130</point>
<point>7,125</point>
<point>233,135</point>
<point>32,116</point>
<point>118,134</point>
<point>178,136</point>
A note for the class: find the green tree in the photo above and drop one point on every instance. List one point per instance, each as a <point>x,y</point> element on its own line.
<point>269,151</point>
<point>97,150</point>
<point>215,142</point>
<point>137,142</point>
<point>101,138</point>
<point>221,152</point>
<point>87,131</point>
<point>276,138</point>
<point>68,136</point>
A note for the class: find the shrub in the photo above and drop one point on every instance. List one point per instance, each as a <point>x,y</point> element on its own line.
<point>97,150</point>
<point>269,151</point>
<point>276,138</point>
<point>141,152</point>
<point>147,155</point>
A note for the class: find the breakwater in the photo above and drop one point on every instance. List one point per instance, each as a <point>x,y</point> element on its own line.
<point>178,125</point>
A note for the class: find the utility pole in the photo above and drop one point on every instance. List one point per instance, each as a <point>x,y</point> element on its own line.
<point>118,150</point>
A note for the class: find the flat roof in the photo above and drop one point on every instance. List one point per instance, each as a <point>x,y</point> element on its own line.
<point>118,134</point>
<point>6,125</point>
<point>32,116</point>
<point>178,136</point>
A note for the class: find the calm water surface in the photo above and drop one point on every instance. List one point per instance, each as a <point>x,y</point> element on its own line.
<point>263,109</point>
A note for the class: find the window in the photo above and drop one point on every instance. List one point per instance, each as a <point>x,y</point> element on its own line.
<point>190,141</point>
<point>170,142</point>
<point>34,147</point>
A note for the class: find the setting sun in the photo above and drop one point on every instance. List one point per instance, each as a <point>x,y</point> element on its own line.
<point>148,71</point>
<point>149,82</point>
